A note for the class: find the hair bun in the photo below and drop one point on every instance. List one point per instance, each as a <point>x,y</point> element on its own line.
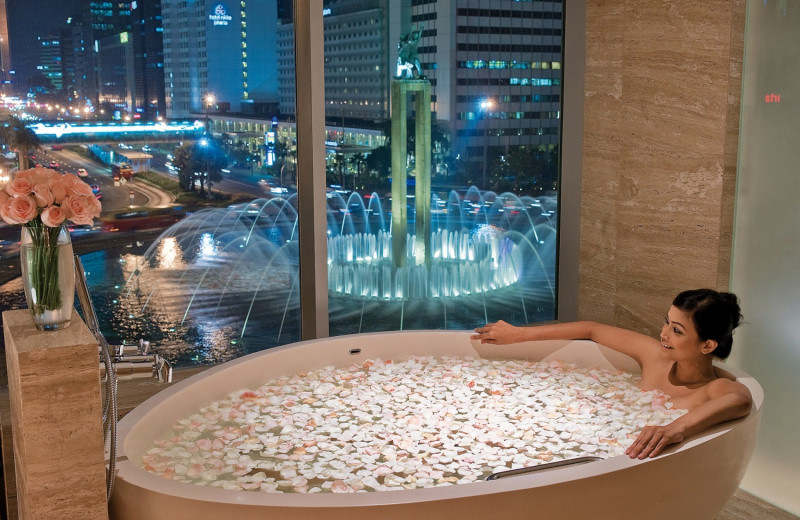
<point>736,311</point>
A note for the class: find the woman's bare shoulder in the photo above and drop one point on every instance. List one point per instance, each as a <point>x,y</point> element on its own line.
<point>726,383</point>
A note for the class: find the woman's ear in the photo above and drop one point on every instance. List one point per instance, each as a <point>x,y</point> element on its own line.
<point>709,346</point>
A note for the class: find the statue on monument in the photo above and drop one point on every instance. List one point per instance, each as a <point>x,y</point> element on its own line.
<point>408,66</point>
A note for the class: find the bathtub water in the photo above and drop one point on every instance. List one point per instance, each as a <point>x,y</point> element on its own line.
<point>406,423</point>
<point>692,480</point>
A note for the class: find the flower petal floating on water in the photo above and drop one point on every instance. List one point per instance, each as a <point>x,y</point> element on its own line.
<point>393,425</point>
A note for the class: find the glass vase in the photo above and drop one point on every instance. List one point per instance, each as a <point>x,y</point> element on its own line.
<point>48,274</point>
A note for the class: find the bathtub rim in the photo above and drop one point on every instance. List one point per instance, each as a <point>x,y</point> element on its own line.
<point>135,476</point>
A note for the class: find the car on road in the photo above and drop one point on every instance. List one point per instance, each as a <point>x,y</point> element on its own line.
<point>139,219</point>
<point>82,172</point>
<point>53,165</point>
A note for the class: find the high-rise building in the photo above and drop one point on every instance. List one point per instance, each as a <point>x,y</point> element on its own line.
<point>105,18</point>
<point>220,50</point>
<point>495,71</point>
<point>5,53</point>
<point>50,61</point>
<point>360,51</point>
<point>76,53</point>
<point>148,49</point>
<point>100,19</point>
<point>116,74</point>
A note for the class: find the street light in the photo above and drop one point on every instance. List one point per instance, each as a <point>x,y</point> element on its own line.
<point>208,102</point>
<point>486,106</point>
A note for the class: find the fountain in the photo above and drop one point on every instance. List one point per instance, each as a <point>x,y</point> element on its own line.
<point>233,272</point>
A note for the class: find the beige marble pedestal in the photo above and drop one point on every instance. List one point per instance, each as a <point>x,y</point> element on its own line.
<point>56,419</point>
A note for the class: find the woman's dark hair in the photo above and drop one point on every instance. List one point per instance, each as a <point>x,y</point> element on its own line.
<point>714,314</point>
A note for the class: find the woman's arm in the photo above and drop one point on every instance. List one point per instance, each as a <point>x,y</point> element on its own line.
<point>727,400</point>
<point>622,340</point>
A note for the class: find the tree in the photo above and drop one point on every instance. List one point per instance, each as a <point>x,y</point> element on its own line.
<point>441,155</point>
<point>379,163</point>
<point>338,170</point>
<point>525,170</point>
<point>240,155</point>
<point>15,134</point>
<point>357,163</point>
<point>200,162</point>
<point>183,160</point>
<point>506,171</point>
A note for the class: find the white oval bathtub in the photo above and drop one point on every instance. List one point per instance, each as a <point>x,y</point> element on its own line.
<point>690,481</point>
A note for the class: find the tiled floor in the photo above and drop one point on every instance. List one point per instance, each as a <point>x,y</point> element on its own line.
<point>742,506</point>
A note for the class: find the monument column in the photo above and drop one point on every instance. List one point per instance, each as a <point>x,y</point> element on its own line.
<point>422,171</point>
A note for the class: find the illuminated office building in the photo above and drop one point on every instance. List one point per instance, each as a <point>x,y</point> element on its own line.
<point>5,53</point>
<point>50,61</point>
<point>76,68</point>
<point>116,75</point>
<point>216,49</point>
<point>360,49</point>
<point>99,19</point>
<point>497,80</point>
<point>148,59</point>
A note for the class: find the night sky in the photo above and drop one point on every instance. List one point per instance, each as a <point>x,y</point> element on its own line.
<point>28,19</point>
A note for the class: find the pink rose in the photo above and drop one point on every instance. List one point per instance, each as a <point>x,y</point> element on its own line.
<point>18,187</point>
<point>49,176</point>
<point>39,175</point>
<point>43,196</point>
<point>80,210</point>
<point>58,190</point>
<point>20,210</point>
<point>26,174</point>
<point>53,216</point>
<point>4,208</point>
<point>75,186</point>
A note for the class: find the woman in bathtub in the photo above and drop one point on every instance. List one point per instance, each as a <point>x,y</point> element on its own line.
<point>698,326</point>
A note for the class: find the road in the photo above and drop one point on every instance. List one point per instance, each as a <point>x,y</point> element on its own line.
<point>119,197</point>
<point>113,197</point>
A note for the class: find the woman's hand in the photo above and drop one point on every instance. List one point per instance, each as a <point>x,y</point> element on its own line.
<point>653,439</point>
<point>498,333</point>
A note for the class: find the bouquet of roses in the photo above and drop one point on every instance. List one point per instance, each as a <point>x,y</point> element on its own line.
<point>42,200</point>
<point>43,197</point>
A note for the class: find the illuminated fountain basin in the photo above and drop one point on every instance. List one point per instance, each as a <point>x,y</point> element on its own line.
<point>227,267</point>
<point>480,242</point>
<point>692,480</point>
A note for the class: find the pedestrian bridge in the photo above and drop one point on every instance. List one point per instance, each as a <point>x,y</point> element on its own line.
<point>70,132</point>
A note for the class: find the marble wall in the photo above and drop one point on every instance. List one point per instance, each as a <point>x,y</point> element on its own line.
<point>661,122</point>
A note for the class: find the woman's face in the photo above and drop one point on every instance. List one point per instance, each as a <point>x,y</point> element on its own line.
<point>679,337</point>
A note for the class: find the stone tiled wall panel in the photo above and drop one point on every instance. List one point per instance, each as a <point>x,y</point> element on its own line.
<point>603,119</point>
<point>661,117</point>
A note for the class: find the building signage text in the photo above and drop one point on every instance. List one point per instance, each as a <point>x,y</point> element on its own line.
<point>220,16</point>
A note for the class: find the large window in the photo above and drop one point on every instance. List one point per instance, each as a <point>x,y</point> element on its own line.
<point>418,198</point>
<point>474,236</point>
